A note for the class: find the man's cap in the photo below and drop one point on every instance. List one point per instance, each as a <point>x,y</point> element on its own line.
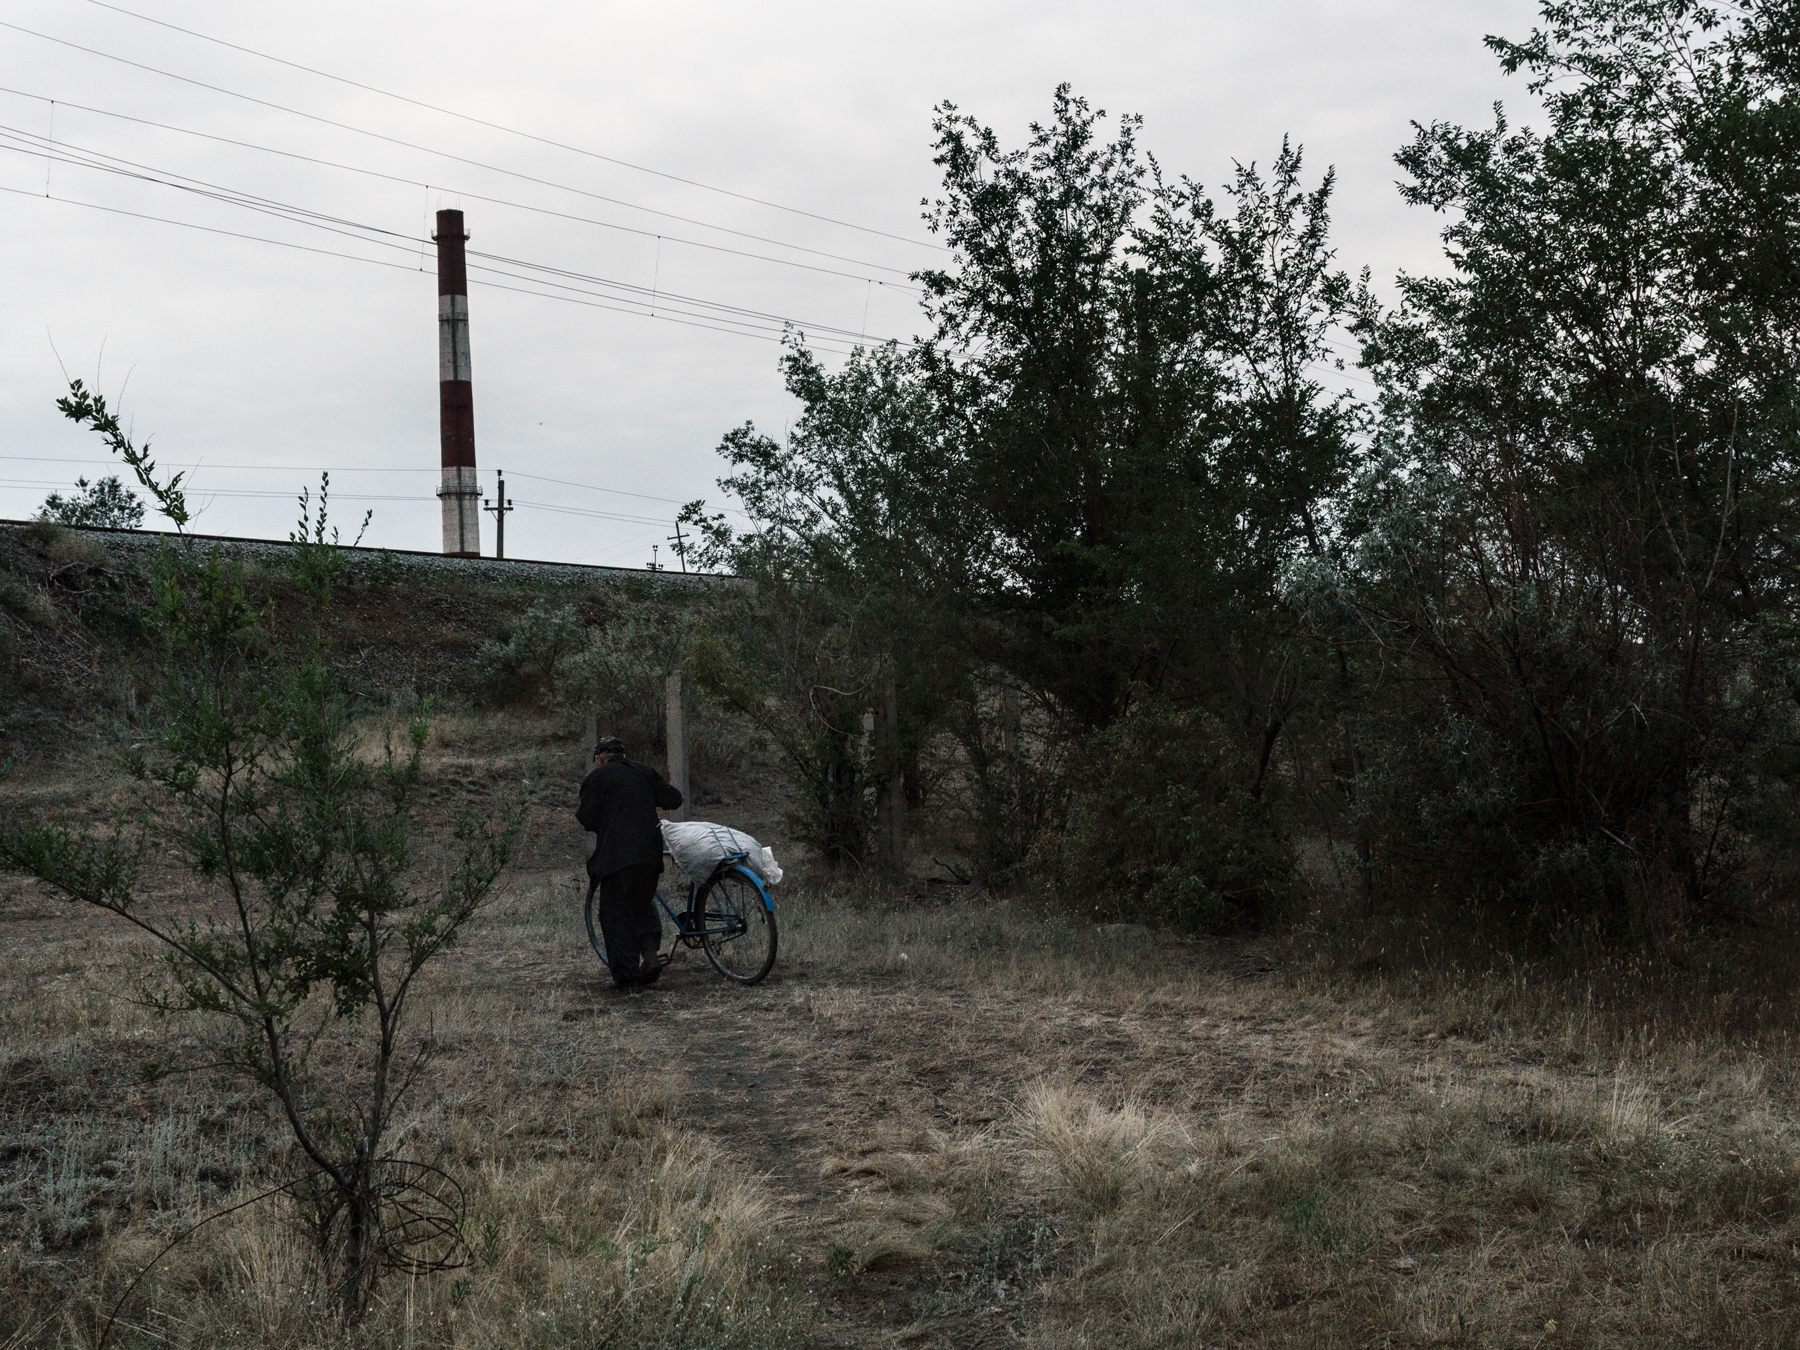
<point>609,745</point>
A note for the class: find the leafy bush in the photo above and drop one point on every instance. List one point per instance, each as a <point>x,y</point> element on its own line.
<point>19,596</point>
<point>800,684</point>
<point>528,659</point>
<point>106,504</point>
<point>1163,828</point>
<point>619,672</point>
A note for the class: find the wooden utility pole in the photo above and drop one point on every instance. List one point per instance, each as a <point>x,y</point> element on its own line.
<point>677,739</point>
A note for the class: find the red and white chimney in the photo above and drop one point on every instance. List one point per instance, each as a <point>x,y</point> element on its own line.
<point>456,399</point>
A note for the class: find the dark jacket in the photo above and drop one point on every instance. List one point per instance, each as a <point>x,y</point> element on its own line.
<point>618,803</point>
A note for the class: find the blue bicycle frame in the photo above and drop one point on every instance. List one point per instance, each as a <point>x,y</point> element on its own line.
<point>720,924</point>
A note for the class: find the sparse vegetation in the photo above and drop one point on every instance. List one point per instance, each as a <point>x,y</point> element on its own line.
<point>308,910</point>
<point>952,1123</point>
<point>1360,835</point>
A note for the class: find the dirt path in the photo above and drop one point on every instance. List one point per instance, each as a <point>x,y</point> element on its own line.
<point>810,1066</point>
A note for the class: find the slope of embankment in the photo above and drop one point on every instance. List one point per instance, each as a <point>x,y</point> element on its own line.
<point>74,659</point>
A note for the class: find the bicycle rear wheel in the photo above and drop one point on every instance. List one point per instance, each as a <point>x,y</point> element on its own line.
<point>737,929</point>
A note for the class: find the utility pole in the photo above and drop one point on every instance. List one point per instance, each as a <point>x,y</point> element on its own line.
<point>456,399</point>
<point>680,547</point>
<point>502,504</point>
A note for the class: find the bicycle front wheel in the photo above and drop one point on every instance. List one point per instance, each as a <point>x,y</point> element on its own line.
<point>737,929</point>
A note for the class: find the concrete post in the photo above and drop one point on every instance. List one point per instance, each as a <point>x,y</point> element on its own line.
<point>678,741</point>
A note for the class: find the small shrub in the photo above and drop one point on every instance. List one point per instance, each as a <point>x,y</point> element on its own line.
<point>1163,828</point>
<point>619,671</point>
<point>378,568</point>
<point>529,657</point>
<point>28,602</point>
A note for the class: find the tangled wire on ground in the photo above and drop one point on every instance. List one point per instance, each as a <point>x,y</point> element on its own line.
<point>420,1216</point>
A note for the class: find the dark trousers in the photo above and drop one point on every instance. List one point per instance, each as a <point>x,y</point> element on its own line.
<point>628,922</point>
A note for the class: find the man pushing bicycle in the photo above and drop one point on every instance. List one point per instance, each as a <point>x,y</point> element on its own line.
<point>619,801</point>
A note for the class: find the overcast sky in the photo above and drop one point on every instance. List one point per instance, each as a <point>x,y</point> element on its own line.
<point>261,363</point>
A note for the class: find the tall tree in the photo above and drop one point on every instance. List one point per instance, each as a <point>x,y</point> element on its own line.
<point>1581,513</point>
<point>1082,488</point>
<point>1032,358</point>
<point>856,548</point>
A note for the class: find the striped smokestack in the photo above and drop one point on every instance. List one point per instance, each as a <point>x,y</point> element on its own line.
<point>456,399</point>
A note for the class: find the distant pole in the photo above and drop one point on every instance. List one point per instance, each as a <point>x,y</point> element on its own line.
<point>456,400</point>
<point>680,548</point>
<point>654,566</point>
<point>677,739</point>
<point>502,504</point>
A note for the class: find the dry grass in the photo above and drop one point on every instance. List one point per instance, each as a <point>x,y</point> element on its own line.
<point>960,1124</point>
<point>594,1215</point>
<point>1250,1160</point>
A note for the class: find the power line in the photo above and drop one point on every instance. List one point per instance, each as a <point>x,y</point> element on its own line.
<point>745,327</point>
<point>445,154</point>
<point>334,468</point>
<point>67,153</point>
<point>463,192</point>
<point>615,550</point>
<point>658,297</point>
<point>584,511</point>
<point>230,492</point>
<point>209,229</point>
<point>563,482</point>
<point>587,512</point>
<point>742,331</point>
<point>514,131</point>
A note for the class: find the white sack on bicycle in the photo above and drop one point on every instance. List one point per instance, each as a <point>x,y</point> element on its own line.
<point>699,846</point>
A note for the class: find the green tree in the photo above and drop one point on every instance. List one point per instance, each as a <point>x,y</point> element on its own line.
<point>107,504</point>
<point>1575,534</point>
<point>313,905</point>
<point>1084,486</point>
<point>534,651</point>
<point>1031,358</point>
<point>1154,368</point>
<point>854,547</point>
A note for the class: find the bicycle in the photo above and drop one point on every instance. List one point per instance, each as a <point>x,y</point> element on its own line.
<point>730,916</point>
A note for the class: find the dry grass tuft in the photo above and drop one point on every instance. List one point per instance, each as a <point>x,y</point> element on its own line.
<point>913,1193</point>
